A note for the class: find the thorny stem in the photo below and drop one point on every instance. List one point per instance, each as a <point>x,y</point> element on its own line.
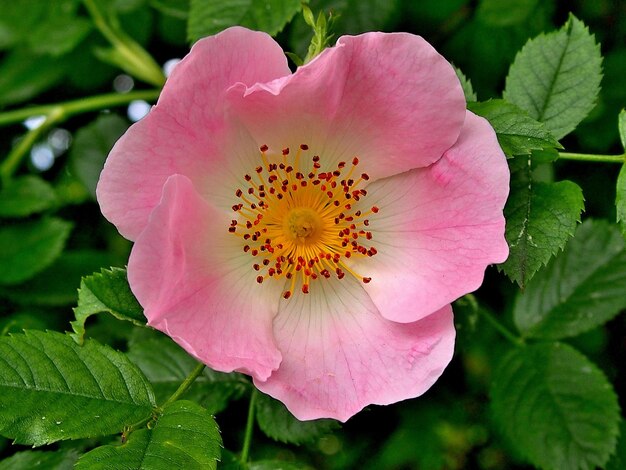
<point>56,113</point>
<point>245,451</point>
<point>588,157</point>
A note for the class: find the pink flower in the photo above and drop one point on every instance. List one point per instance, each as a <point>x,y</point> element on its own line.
<point>310,229</point>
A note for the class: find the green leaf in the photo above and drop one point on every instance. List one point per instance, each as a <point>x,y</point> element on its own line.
<point>207,17</point>
<point>277,422</point>
<point>540,217</point>
<point>23,320</point>
<point>33,459</point>
<point>620,189</point>
<point>504,13</point>
<point>27,248</point>
<point>185,436</point>
<point>91,146</point>
<point>466,84</point>
<point>52,389</point>
<point>58,284</point>
<point>106,292</point>
<point>518,133</point>
<point>26,195</point>
<point>166,365</point>
<point>174,8</point>
<point>59,35</point>
<point>555,407</point>
<point>277,465</point>
<point>618,461</point>
<point>24,76</point>
<point>582,288</point>
<point>621,125</point>
<point>556,77</point>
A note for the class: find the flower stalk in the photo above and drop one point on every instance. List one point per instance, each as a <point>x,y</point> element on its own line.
<point>245,451</point>
<point>589,157</point>
<point>195,373</point>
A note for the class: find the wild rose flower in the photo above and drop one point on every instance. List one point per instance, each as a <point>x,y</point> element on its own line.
<point>310,229</point>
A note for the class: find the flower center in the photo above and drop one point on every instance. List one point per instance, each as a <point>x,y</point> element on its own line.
<point>302,227</point>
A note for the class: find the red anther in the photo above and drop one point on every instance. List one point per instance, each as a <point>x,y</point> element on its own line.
<point>288,275</point>
<point>261,194</point>
<point>272,178</point>
<point>348,195</point>
<point>248,224</point>
<point>287,294</point>
<point>350,182</point>
<point>336,220</point>
<point>281,166</point>
<point>233,223</point>
<point>246,236</point>
<point>368,235</point>
<point>289,169</point>
<point>264,148</point>
<point>258,169</point>
<point>336,203</point>
<point>336,173</point>
<point>348,206</point>
<point>329,194</point>
<point>294,187</point>
<point>250,190</point>
<point>363,192</point>
<point>236,207</point>
<point>303,184</point>
<point>348,254</point>
<point>340,273</point>
<point>316,158</point>
<point>252,206</point>
<point>254,252</point>
<point>307,272</point>
<point>279,196</point>
<point>375,209</point>
<point>365,176</point>
<point>357,213</point>
<point>305,288</point>
<point>247,177</point>
<point>333,184</point>
<point>355,235</point>
<point>286,151</point>
<point>313,276</point>
<point>259,279</point>
<point>367,279</point>
<point>304,147</point>
<point>366,222</point>
<point>271,271</point>
<point>246,248</point>
<point>349,219</point>
<point>266,262</point>
<point>355,161</point>
<point>317,166</point>
<point>256,267</point>
<point>341,164</point>
<point>272,190</point>
<point>299,175</point>
<point>232,229</point>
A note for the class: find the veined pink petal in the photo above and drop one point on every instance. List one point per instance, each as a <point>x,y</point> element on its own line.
<point>389,99</point>
<point>197,286</point>
<point>186,132</point>
<point>438,227</point>
<point>340,354</point>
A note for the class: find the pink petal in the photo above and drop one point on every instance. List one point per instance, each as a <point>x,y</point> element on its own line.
<point>389,99</point>
<point>439,227</point>
<point>197,286</point>
<point>339,354</point>
<point>186,132</point>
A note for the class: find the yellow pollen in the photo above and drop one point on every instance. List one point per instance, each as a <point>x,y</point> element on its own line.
<point>301,224</point>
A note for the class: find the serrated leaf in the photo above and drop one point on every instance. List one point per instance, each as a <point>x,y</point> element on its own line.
<point>277,422</point>
<point>618,460</point>
<point>26,195</point>
<point>540,217</point>
<point>555,407</point>
<point>185,436</point>
<point>58,284</point>
<point>207,17</point>
<point>518,133</point>
<point>27,248</point>
<point>556,77</point>
<point>166,365</point>
<point>44,460</point>
<point>59,34</point>
<point>621,126</point>
<point>582,288</point>
<point>91,146</point>
<point>106,292</point>
<point>466,84</point>
<point>24,320</point>
<point>51,389</point>
<point>174,8</point>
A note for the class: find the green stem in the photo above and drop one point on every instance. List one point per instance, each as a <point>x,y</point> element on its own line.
<point>245,451</point>
<point>503,330</point>
<point>185,385</point>
<point>70,108</point>
<point>588,157</point>
<point>134,58</point>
